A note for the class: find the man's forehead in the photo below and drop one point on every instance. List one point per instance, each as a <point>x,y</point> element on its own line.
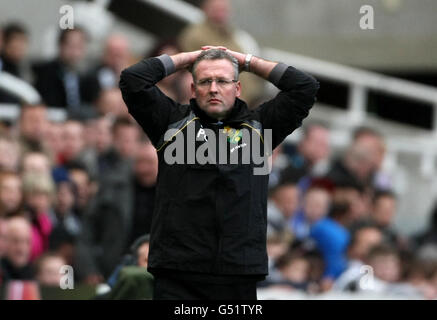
<point>218,67</point>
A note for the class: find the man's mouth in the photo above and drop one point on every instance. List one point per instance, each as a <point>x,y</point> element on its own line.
<point>213,100</point>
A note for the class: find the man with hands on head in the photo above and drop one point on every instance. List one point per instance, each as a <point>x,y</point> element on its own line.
<point>208,235</point>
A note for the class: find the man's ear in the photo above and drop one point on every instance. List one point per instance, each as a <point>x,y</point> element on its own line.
<point>193,90</point>
<point>238,88</point>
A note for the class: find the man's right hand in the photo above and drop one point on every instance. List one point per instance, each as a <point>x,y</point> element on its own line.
<point>185,60</point>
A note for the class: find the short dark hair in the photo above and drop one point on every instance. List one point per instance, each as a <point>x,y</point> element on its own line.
<point>364,130</point>
<point>122,122</point>
<point>382,194</point>
<point>12,29</point>
<point>382,250</point>
<point>215,54</point>
<point>339,209</point>
<point>65,32</point>
<point>307,127</point>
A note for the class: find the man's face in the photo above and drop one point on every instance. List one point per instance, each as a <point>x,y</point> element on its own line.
<point>126,141</point>
<point>374,147</point>
<point>73,138</point>
<point>49,273</point>
<point>366,239</point>
<point>33,123</point>
<point>10,193</point>
<point>72,50</point>
<point>316,204</point>
<point>287,200</point>
<point>316,145</point>
<point>146,165</point>
<point>215,99</point>
<point>143,255</point>
<point>384,211</point>
<point>217,11</point>
<point>18,243</point>
<point>17,47</point>
<point>36,163</point>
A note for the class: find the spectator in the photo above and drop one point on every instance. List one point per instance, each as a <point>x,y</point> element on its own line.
<point>294,272</point>
<point>383,213</point>
<point>137,256</point>
<point>114,175</point>
<point>15,265</point>
<point>35,162</point>
<point>356,197</point>
<point>59,81</point>
<point>110,102</point>
<point>126,136</point>
<point>355,165</point>
<point>54,140</point>
<point>283,202</point>
<point>73,138</point>
<point>420,276</point>
<point>74,150</point>
<point>363,240</point>
<point>216,31</point>
<point>9,154</point>
<point>15,47</point>
<point>48,269</point>
<point>385,277</point>
<point>131,280</point>
<point>373,142</point>
<point>116,57</point>
<point>310,156</point>
<point>85,189</point>
<point>38,196</point>
<point>278,245</point>
<point>33,126</point>
<point>11,195</point>
<point>145,175</point>
<point>66,224</point>
<point>315,206</point>
<point>385,262</point>
<point>332,238</point>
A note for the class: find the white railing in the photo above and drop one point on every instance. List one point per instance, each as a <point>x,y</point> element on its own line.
<point>10,111</point>
<point>18,88</point>
<point>359,82</point>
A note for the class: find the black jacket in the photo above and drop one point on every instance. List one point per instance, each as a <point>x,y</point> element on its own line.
<point>50,84</point>
<point>211,218</point>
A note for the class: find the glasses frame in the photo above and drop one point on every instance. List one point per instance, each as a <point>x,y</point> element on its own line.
<point>206,83</point>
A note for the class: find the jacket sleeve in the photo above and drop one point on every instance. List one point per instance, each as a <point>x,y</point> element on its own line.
<point>145,102</point>
<point>284,113</point>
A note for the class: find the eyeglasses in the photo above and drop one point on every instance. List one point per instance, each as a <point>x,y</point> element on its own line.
<point>222,83</point>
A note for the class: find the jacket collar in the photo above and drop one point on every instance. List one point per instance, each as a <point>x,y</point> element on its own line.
<point>239,113</point>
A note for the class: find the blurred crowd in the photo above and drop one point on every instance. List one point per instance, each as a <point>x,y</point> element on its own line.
<point>80,192</point>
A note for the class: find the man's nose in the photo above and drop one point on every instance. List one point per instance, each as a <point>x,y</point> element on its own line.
<point>213,86</point>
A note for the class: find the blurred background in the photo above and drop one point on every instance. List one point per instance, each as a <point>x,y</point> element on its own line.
<point>355,187</point>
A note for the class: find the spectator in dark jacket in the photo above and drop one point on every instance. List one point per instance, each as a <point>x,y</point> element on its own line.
<point>59,81</point>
